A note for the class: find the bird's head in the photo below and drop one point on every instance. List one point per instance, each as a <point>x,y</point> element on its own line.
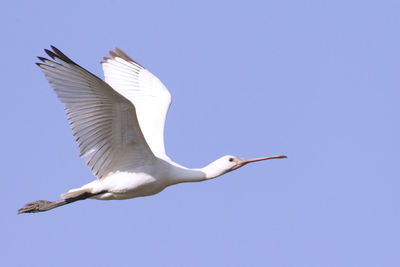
<point>229,163</point>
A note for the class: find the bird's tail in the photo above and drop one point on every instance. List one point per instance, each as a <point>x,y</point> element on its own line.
<point>73,193</point>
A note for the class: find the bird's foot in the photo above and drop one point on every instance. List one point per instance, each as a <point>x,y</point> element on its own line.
<point>37,206</point>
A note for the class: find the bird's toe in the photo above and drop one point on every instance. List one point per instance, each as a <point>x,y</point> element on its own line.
<point>35,206</point>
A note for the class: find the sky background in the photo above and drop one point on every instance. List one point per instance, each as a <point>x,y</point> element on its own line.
<point>317,81</point>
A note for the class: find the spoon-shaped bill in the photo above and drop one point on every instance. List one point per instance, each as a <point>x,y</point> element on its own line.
<point>243,162</point>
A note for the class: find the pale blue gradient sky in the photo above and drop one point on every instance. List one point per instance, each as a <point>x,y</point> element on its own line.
<point>316,80</point>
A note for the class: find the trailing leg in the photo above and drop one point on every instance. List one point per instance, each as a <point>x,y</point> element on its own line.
<point>44,205</point>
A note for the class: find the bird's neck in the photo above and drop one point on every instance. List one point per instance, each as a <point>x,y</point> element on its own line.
<point>212,170</point>
<point>182,174</point>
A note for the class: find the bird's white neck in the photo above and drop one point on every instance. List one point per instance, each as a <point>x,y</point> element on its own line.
<point>181,174</point>
<point>212,170</point>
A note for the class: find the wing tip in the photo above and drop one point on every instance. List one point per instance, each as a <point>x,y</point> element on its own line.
<point>50,53</point>
<point>43,59</point>
<point>105,59</point>
<point>121,54</point>
<point>57,54</point>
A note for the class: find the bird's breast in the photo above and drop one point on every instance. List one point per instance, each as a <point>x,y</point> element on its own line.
<point>125,185</point>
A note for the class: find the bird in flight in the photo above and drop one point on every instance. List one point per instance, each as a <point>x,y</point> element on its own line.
<point>118,125</point>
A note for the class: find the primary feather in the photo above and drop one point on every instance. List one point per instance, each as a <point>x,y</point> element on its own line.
<point>103,121</point>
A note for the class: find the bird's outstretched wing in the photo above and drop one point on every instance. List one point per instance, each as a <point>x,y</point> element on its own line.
<point>147,93</point>
<point>103,122</point>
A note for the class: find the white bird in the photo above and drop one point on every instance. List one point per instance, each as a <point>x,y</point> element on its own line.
<point>119,128</point>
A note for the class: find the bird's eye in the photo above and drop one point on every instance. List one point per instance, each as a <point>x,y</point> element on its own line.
<point>230,159</point>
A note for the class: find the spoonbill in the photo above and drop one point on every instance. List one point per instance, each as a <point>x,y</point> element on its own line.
<point>118,125</point>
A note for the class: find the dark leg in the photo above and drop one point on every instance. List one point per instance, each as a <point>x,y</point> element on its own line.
<point>44,205</point>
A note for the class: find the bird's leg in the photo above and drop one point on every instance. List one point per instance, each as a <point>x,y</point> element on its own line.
<point>44,205</point>
<point>41,205</point>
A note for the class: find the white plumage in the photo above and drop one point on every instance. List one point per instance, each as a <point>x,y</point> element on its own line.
<point>147,93</point>
<point>119,128</point>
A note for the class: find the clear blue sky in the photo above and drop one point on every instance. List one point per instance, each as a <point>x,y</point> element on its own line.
<point>318,81</point>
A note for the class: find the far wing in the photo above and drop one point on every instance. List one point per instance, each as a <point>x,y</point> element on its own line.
<point>149,96</point>
<point>103,122</point>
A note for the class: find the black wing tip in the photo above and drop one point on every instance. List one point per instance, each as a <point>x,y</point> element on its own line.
<point>55,49</point>
<point>50,53</point>
<point>61,54</point>
<point>43,59</point>
<point>57,54</point>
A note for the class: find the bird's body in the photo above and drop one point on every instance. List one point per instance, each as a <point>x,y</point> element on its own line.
<point>145,180</point>
<point>119,128</point>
